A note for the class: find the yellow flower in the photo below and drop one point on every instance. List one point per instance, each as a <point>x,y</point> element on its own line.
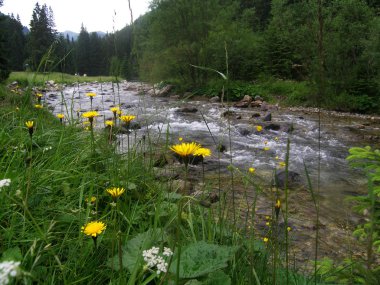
<point>266,239</point>
<point>39,95</point>
<point>185,149</point>
<point>115,110</point>
<point>29,124</point>
<point>277,158</point>
<point>278,204</point>
<point>202,152</point>
<point>267,224</point>
<point>38,106</point>
<point>266,148</point>
<point>115,192</point>
<point>127,118</point>
<point>91,200</point>
<point>267,217</point>
<point>252,170</point>
<point>282,163</point>
<point>259,128</point>
<point>60,116</point>
<point>109,123</point>
<point>266,142</point>
<point>91,94</point>
<point>90,115</point>
<point>94,228</point>
<point>180,139</point>
<point>288,229</point>
<point>276,139</point>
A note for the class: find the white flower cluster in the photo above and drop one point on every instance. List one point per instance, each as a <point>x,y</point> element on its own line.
<point>4,182</point>
<point>153,258</point>
<point>8,269</point>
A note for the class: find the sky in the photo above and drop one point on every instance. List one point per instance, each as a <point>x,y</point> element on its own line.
<point>96,15</point>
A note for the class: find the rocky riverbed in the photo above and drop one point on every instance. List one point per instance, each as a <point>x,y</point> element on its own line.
<point>318,140</point>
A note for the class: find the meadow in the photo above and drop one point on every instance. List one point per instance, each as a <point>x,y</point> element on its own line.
<point>76,210</point>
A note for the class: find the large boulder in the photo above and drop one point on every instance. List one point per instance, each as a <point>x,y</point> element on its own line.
<point>294,179</point>
<point>244,103</point>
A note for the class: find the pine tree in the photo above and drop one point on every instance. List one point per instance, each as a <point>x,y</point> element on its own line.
<point>42,34</point>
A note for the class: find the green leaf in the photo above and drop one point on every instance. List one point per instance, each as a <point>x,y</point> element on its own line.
<point>218,278</point>
<point>13,253</point>
<point>132,251</point>
<point>201,258</point>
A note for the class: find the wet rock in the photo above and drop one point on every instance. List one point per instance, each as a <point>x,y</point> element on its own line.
<point>165,91</point>
<point>244,132</point>
<point>268,117</point>
<point>244,103</point>
<point>256,115</point>
<point>180,186</point>
<point>294,179</point>
<point>126,106</point>
<point>264,107</point>
<point>53,96</point>
<point>229,114</point>
<point>287,128</point>
<point>273,127</point>
<point>165,174</point>
<point>187,110</point>
<point>256,103</point>
<point>214,99</point>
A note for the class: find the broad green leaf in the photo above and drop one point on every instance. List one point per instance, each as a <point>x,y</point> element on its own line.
<point>132,251</point>
<point>201,258</point>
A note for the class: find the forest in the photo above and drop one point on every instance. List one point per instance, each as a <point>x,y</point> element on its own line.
<point>334,44</point>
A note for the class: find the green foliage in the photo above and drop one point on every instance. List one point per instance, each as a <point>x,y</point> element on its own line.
<point>200,258</point>
<point>368,160</point>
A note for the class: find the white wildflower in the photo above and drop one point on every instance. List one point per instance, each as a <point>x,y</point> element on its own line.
<point>8,269</point>
<point>4,182</point>
<point>153,258</point>
<point>167,252</point>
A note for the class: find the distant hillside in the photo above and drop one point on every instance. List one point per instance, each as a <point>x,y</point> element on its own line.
<point>75,35</point>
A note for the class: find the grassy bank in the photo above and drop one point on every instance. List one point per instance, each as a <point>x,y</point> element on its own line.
<point>39,79</point>
<point>77,210</point>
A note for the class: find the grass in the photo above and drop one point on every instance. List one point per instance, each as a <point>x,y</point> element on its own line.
<point>57,170</point>
<point>39,79</point>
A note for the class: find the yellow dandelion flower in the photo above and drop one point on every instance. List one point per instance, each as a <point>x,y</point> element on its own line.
<point>91,200</point>
<point>259,128</point>
<point>127,118</point>
<point>202,152</point>
<point>277,158</point>
<point>60,116</point>
<point>90,115</point>
<point>282,163</point>
<point>180,139</point>
<point>266,239</point>
<point>93,228</point>
<point>38,106</point>
<point>115,109</point>
<point>91,94</point>
<point>115,192</point>
<point>288,229</point>
<point>252,170</point>
<point>267,217</point>
<point>29,124</point>
<point>119,113</point>
<point>109,123</point>
<point>267,224</point>
<point>266,148</point>
<point>185,149</point>
<point>278,204</point>
<point>39,95</point>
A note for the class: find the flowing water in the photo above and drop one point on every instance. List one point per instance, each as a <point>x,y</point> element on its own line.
<point>320,143</point>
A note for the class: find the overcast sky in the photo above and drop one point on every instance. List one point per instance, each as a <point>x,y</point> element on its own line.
<point>96,15</point>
